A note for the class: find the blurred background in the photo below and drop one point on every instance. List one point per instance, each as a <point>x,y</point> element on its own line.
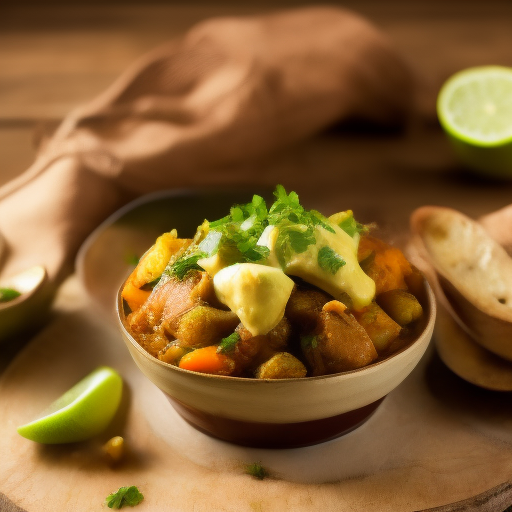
<point>56,55</point>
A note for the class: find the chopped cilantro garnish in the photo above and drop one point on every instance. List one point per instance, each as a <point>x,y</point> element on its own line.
<point>149,286</point>
<point>234,238</point>
<point>240,231</point>
<point>309,341</point>
<point>296,225</point>
<point>228,343</point>
<point>256,470</point>
<point>329,260</point>
<point>125,496</point>
<point>185,264</point>
<point>350,225</point>
<point>7,294</point>
<point>210,243</point>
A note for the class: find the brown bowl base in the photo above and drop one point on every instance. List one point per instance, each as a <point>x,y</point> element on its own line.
<point>274,435</point>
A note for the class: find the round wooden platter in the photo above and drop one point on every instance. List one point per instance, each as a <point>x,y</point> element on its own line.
<point>436,440</point>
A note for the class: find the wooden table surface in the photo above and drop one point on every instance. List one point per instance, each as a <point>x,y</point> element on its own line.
<point>57,56</point>
<point>54,57</point>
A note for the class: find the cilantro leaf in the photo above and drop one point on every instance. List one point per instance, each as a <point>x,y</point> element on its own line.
<point>130,496</point>
<point>185,264</point>
<point>308,341</point>
<point>292,239</point>
<point>329,260</point>
<point>235,237</point>
<point>7,294</point>
<point>318,219</point>
<point>228,343</point>
<point>295,224</point>
<point>256,470</point>
<point>240,232</point>
<point>149,286</point>
<point>350,225</point>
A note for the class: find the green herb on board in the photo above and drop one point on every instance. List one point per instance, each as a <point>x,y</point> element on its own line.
<point>257,471</point>
<point>129,496</point>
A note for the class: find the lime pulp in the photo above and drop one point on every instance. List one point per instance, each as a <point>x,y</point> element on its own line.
<point>474,107</point>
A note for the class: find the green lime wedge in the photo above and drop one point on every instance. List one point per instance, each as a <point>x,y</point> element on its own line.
<point>80,413</point>
<point>474,107</point>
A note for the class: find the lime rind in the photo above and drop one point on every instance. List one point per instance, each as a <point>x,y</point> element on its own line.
<point>81,413</point>
<point>475,106</point>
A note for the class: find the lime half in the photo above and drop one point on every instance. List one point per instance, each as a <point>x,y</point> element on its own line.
<point>80,413</point>
<point>475,109</point>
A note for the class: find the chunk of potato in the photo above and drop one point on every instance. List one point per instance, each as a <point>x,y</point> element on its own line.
<point>153,263</point>
<point>153,342</point>
<point>204,325</point>
<point>381,328</point>
<point>173,352</point>
<point>282,365</point>
<point>401,306</point>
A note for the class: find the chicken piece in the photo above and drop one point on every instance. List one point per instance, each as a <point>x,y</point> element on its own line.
<point>202,326</point>
<point>338,344</point>
<point>282,365</point>
<point>150,268</point>
<point>204,291</point>
<point>169,300</point>
<point>250,351</point>
<point>381,328</point>
<point>304,307</point>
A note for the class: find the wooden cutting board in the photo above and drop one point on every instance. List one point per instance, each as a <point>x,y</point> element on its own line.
<point>435,440</point>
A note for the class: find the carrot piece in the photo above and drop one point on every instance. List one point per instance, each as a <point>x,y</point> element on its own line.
<point>134,296</point>
<point>208,360</point>
<point>388,267</point>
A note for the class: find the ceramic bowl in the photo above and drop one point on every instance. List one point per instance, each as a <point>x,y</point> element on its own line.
<point>281,413</point>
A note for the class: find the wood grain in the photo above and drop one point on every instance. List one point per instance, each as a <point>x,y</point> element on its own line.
<point>419,437</point>
<point>57,56</point>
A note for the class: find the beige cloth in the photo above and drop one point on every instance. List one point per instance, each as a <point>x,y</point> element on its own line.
<point>228,91</point>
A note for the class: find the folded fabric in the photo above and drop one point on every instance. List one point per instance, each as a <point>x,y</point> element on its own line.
<point>228,91</point>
